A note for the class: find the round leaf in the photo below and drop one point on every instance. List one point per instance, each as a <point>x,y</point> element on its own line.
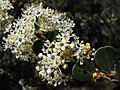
<point>105,58</point>
<point>83,73</point>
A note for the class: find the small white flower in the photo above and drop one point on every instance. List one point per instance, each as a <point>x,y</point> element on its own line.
<point>40,55</point>
<point>72,45</point>
<point>65,66</point>
<point>92,59</point>
<point>37,68</point>
<point>48,70</point>
<point>54,50</point>
<point>63,48</point>
<point>81,63</point>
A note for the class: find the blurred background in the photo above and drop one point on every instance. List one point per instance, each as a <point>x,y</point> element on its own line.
<point>96,22</point>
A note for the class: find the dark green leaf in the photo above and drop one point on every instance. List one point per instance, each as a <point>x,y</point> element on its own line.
<point>83,73</point>
<point>105,58</point>
<point>89,66</point>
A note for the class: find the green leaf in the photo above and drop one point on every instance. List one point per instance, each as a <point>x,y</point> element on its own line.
<point>89,66</point>
<point>84,72</point>
<point>105,58</point>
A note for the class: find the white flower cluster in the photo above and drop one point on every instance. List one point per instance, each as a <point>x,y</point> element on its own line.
<point>23,32</point>
<point>51,59</point>
<point>49,69</point>
<point>5,5</point>
<point>21,39</point>
<point>83,52</point>
<point>66,48</point>
<point>47,19</point>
